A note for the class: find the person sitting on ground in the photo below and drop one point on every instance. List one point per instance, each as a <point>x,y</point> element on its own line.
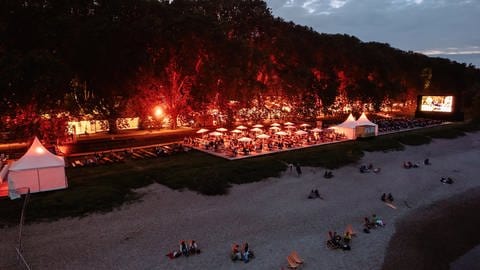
<point>426,161</point>
<point>447,180</point>
<point>384,197</point>
<point>328,174</point>
<point>317,194</point>
<point>376,170</point>
<point>236,255</point>
<point>247,253</point>
<point>312,194</point>
<point>184,248</point>
<point>378,221</point>
<point>193,247</point>
<point>370,166</point>
<point>347,237</point>
<point>390,197</point>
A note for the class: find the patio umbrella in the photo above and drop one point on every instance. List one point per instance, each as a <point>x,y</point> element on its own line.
<point>275,125</point>
<point>301,132</point>
<point>236,131</point>
<point>256,130</point>
<point>215,133</point>
<point>275,128</point>
<point>281,133</point>
<point>316,130</point>
<point>263,136</point>
<point>289,124</point>
<point>202,130</point>
<point>305,125</point>
<point>241,127</point>
<point>258,126</point>
<point>244,139</point>
<point>221,129</point>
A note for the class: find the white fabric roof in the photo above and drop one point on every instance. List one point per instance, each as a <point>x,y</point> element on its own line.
<point>349,123</point>
<point>36,157</point>
<point>363,121</point>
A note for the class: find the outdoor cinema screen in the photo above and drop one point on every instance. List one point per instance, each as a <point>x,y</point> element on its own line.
<point>436,104</point>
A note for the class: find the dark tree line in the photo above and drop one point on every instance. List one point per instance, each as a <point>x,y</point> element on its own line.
<point>108,59</point>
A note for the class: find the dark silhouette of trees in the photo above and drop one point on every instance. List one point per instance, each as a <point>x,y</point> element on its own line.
<point>109,59</point>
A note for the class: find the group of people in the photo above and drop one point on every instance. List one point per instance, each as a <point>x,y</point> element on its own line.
<point>328,174</point>
<point>409,164</point>
<point>314,194</point>
<point>241,254</point>
<point>387,198</point>
<point>369,168</point>
<point>185,249</point>
<point>447,180</point>
<point>338,242</point>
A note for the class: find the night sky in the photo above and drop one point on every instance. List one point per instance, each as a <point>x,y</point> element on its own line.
<point>446,28</point>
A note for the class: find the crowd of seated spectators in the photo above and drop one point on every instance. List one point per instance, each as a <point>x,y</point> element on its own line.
<point>395,124</point>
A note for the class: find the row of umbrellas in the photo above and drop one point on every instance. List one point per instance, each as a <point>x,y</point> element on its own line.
<point>257,128</point>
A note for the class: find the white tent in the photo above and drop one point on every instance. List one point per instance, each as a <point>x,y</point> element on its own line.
<point>365,128</point>
<point>347,127</point>
<point>38,169</point>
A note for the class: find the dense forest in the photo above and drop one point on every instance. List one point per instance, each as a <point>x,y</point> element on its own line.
<point>230,59</point>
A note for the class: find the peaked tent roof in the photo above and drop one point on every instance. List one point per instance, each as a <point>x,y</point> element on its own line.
<point>349,123</point>
<point>36,157</point>
<point>363,121</point>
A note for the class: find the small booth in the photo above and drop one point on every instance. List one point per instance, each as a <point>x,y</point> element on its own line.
<point>39,170</point>
<point>365,128</point>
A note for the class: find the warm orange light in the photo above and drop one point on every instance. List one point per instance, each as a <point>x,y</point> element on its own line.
<point>39,150</point>
<point>158,112</point>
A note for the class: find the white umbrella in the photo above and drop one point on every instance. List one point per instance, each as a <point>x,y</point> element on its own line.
<point>241,127</point>
<point>290,127</point>
<point>263,136</point>
<point>275,128</point>
<point>305,125</point>
<point>202,130</point>
<point>281,133</point>
<point>258,126</point>
<point>289,124</point>
<point>256,130</point>
<point>301,132</point>
<point>244,139</point>
<point>275,125</point>
<point>316,130</point>
<point>236,131</point>
<point>222,129</point>
<point>215,133</point>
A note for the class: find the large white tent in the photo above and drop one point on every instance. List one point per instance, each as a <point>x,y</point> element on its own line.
<point>38,169</point>
<point>347,127</point>
<point>365,128</point>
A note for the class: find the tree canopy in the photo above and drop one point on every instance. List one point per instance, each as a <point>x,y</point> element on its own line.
<point>109,59</point>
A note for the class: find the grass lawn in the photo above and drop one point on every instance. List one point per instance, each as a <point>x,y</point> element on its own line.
<point>103,188</point>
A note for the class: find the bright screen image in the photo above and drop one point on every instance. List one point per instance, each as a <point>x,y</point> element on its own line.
<point>436,104</point>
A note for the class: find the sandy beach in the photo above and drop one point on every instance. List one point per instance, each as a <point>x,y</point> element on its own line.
<point>275,217</point>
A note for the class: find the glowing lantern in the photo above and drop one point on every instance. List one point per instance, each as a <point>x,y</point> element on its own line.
<point>158,112</point>
<point>39,150</point>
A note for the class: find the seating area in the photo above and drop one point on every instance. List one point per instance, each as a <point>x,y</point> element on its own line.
<point>386,125</point>
<point>243,142</point>
<point>121,155</point>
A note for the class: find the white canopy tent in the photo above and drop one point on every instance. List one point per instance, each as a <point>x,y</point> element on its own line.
<point>347,127</point>
<point>38,169</point>
<point>365,128</point>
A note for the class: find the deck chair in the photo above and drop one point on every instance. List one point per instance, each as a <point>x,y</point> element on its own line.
<point>291,263</point>
<point>294,255</point>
